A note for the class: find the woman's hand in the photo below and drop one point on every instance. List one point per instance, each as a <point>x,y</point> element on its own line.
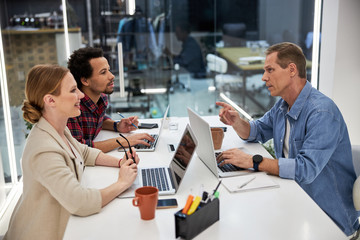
<point>128,172</point>
<point>134,156</point>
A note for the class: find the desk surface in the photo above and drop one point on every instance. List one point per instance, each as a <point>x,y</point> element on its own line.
<point>39,31</point>
<point>285,213</point>
<point>233,54</point>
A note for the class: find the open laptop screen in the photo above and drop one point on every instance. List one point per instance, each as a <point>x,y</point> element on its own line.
<point>183,155</point>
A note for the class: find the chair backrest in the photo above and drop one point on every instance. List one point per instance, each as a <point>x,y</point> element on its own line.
<point>237,30</point>
<point>234,34</point>
<point>356,194</point>
<point>216,64</point>
<point>355,149</point>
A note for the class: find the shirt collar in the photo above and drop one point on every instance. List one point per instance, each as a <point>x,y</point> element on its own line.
<point>299,102</point>
<point>90,104</point>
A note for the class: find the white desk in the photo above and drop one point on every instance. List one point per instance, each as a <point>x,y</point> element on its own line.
<point>285,213</point>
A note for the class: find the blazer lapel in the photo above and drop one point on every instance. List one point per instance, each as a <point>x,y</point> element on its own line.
<point>44,125</point>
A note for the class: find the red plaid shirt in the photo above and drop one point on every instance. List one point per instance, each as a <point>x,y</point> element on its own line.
<point>88,125</point>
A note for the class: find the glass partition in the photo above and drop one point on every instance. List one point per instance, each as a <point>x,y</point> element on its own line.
<point>32,32</point>
<point>190,53</point>
<point>162,52</point>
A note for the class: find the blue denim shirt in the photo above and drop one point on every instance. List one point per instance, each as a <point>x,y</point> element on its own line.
<point>320,159</point>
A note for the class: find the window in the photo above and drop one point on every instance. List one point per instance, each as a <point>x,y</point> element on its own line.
<point>227,39</point>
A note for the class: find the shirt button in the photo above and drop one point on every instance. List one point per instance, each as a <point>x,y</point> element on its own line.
<point>81,163</point>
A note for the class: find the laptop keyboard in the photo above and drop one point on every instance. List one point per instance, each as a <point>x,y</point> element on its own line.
<point>228,167</point>
<point>155,177</point>
<point>142,146</point>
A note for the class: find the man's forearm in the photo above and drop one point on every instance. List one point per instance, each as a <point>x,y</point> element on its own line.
<point>108,124</point>
<point>242,128</point>
<point>270,166</point>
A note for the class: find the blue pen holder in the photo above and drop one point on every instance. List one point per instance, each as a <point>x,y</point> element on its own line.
<point>189,226</point>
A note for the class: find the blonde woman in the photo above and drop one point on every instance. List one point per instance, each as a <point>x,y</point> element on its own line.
<point>53,161</point>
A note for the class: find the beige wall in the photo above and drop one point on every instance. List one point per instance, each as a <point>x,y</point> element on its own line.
<point>339,76</point>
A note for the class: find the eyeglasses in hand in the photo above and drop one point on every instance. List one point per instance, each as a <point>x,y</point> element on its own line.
<point>127,157</point>
<point>128,144</point>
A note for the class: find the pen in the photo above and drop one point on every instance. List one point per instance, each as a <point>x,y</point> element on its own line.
<point>124,117</point>
<point>246,183</point>
<point>217,187</point>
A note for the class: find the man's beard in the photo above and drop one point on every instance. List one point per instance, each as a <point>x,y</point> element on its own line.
<point>109,91</point>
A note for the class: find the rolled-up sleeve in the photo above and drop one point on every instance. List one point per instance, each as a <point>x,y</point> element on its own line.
<point>287,168</point>
<point>253,132</point>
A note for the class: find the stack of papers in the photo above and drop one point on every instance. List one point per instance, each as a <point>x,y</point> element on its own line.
<point>251,60</point>
<point>249,182</point>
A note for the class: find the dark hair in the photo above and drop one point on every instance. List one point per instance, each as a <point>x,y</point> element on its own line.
<point>289,53</point>
<point>41,80</point>
<point>79,63</point>
<point>184,26</point>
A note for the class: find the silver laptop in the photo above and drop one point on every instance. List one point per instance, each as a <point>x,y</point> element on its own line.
<point>167,179</point>
<point>151,148</point>
<point>205,150</point>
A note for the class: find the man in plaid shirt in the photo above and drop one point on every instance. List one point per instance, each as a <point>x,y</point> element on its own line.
<point>92,74</point>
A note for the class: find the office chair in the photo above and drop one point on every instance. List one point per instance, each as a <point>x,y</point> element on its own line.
<point>219,65</point>
<point>234,34</point>
<point>355,149</point>
<point>176,83</point>
<point>222,81</point>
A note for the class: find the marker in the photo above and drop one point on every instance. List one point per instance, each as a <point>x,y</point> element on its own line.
<point>194,205</point>
<point>212,196</point>
<point>188,203</point>
<point>124,117</point>
<point>205,196</point>
<point>216,195</point>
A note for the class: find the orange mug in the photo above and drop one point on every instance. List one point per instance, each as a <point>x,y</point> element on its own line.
<point>217,135</point>
<point>146,199</point>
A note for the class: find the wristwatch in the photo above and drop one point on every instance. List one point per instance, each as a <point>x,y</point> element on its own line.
<point>115,125</point>
<point>257,159</point>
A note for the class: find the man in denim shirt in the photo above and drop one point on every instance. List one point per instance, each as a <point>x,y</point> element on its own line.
<point>311,140</point>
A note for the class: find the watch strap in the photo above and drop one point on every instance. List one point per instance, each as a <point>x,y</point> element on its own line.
<point>257,159</point>
<point>256,166</point>
<point>115,126</point>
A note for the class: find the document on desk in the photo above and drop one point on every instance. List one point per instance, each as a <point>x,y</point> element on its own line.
<point>251,60</point>
<point>254,181</point>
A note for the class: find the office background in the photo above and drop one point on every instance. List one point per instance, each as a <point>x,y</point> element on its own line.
<point>337,74</point>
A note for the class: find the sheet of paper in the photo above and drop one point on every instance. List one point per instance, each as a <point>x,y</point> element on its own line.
<point>251,60</point>
<point>249,182</point>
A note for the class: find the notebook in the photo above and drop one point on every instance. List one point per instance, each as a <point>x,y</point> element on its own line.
<point>246,183</point>
<point>151,148</point>
<point>205,150</point>
<point>167,179</point>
